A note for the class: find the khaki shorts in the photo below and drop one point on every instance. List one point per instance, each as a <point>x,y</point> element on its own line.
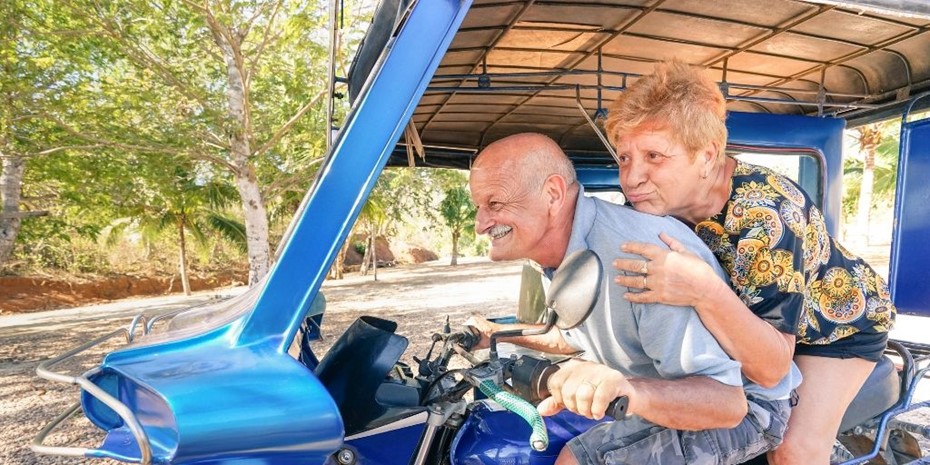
<point>614,443</point>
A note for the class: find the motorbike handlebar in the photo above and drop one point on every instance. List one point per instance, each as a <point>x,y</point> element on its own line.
<point>468,337</point>
<point>537,373</point>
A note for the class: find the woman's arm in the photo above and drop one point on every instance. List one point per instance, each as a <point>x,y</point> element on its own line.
<point>678,277</point>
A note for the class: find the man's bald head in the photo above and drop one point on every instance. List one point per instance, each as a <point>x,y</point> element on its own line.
<point>532,156</point>
<point>525,190</point>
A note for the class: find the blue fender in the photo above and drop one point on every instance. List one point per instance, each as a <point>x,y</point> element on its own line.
<point>492,436</point>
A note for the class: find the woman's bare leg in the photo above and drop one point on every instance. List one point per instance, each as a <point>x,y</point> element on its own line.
<point>829,385</point>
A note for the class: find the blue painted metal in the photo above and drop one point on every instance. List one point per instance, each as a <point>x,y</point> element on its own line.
<point>492,436</point>
<point>910,246</point>
<point>822,136</point>
<point>232,394</point>
<point>348,175</point>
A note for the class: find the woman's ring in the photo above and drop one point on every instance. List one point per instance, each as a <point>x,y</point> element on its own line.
<point>644,282</point>
<point>645,268</point>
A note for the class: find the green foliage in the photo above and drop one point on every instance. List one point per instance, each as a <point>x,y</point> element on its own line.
<point>120,110</point>
<point>885,175</point>
<point>458,213</point>
<point>457,210</point>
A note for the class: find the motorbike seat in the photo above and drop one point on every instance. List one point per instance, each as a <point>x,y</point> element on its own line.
<point>880,392</point>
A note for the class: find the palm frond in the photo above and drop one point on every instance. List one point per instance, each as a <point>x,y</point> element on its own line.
<point>230,228</point>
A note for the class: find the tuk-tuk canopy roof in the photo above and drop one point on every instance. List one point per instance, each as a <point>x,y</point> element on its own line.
<point>524,65</point>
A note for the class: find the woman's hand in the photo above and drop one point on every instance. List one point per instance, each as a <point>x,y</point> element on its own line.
<point>586,388</point>
<point>673,276</point>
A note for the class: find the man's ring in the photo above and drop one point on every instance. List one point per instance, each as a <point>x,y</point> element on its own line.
<point>645,268</point>
<point>644,282</point>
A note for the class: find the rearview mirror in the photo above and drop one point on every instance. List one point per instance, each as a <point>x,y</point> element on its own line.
<point>575,288</point>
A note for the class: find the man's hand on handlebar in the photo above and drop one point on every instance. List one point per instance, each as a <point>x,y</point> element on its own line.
<point>585,388</point>
<point>484,328</point>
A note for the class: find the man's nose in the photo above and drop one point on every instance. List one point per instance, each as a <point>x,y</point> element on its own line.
<point>482,220</point>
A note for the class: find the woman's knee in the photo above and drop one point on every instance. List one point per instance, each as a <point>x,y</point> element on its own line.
<point>802,450</point>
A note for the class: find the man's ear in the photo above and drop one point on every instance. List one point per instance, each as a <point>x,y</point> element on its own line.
<point>555,189</point>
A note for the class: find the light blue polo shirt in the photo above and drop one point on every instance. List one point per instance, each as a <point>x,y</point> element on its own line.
<point>649,340</point>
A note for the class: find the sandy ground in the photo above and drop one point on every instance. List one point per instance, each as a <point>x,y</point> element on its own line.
<point>418,298</point>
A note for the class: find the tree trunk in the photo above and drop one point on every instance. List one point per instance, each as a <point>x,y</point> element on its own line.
<point>182,260</point>
<point>374,256</point>
<point>864,208</point>
<point>11,181</point>
<point>256,225</point>
<point>335,272</point>
<point>370,260</point>
<point>455,248</point>
<point>366,258</point>
<point>239,130</point>
<point>869,139</point>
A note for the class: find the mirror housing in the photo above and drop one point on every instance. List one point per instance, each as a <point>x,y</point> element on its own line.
<point>575,288</point>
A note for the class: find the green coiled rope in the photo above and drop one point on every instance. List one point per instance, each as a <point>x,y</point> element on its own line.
<point>539,439</point>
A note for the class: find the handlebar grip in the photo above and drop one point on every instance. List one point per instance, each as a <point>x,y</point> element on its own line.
<point>617,408</point>
<point>470,337</point>
<point>539,439</point>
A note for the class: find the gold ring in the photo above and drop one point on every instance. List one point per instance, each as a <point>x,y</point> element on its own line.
<point>644,282</point>
<point>645,268</point>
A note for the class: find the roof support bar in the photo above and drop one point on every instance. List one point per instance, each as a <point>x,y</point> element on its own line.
<point>596,129</point>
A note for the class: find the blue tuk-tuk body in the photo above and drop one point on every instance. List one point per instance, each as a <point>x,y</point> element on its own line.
<point>223,389</point>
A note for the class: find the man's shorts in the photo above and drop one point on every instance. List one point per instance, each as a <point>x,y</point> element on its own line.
<point>624,443</point>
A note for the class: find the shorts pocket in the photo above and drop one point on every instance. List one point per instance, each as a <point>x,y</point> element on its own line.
<point>661,447</point>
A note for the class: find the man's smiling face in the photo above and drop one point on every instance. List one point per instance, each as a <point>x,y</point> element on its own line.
<point>512,209</point>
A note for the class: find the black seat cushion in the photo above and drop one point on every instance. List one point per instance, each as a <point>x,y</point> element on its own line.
<point>356,365</point>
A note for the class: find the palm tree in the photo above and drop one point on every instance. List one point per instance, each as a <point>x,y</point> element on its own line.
<point>187,204</point>
<point>873,176</point>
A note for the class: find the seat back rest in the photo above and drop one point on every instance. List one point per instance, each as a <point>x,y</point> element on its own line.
<point>356,365</point>
<point>880,392</point>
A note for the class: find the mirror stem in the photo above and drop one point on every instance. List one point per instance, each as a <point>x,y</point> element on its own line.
<point>550,322</point>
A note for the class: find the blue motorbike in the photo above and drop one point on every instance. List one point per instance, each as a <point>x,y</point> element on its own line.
<point>370,408</point>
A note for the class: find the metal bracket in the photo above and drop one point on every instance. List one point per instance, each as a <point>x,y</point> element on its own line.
<point>44,371</point>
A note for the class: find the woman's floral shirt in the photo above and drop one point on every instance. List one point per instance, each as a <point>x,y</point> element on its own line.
<point>782,262</point>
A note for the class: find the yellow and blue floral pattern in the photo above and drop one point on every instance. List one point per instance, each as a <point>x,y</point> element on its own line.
<point>785,266</point>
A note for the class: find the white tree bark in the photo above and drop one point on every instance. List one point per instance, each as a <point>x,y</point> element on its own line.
<point>864,208</point>
<point>182,260</point>
<point>11,180</point>
<point>253,206</point>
